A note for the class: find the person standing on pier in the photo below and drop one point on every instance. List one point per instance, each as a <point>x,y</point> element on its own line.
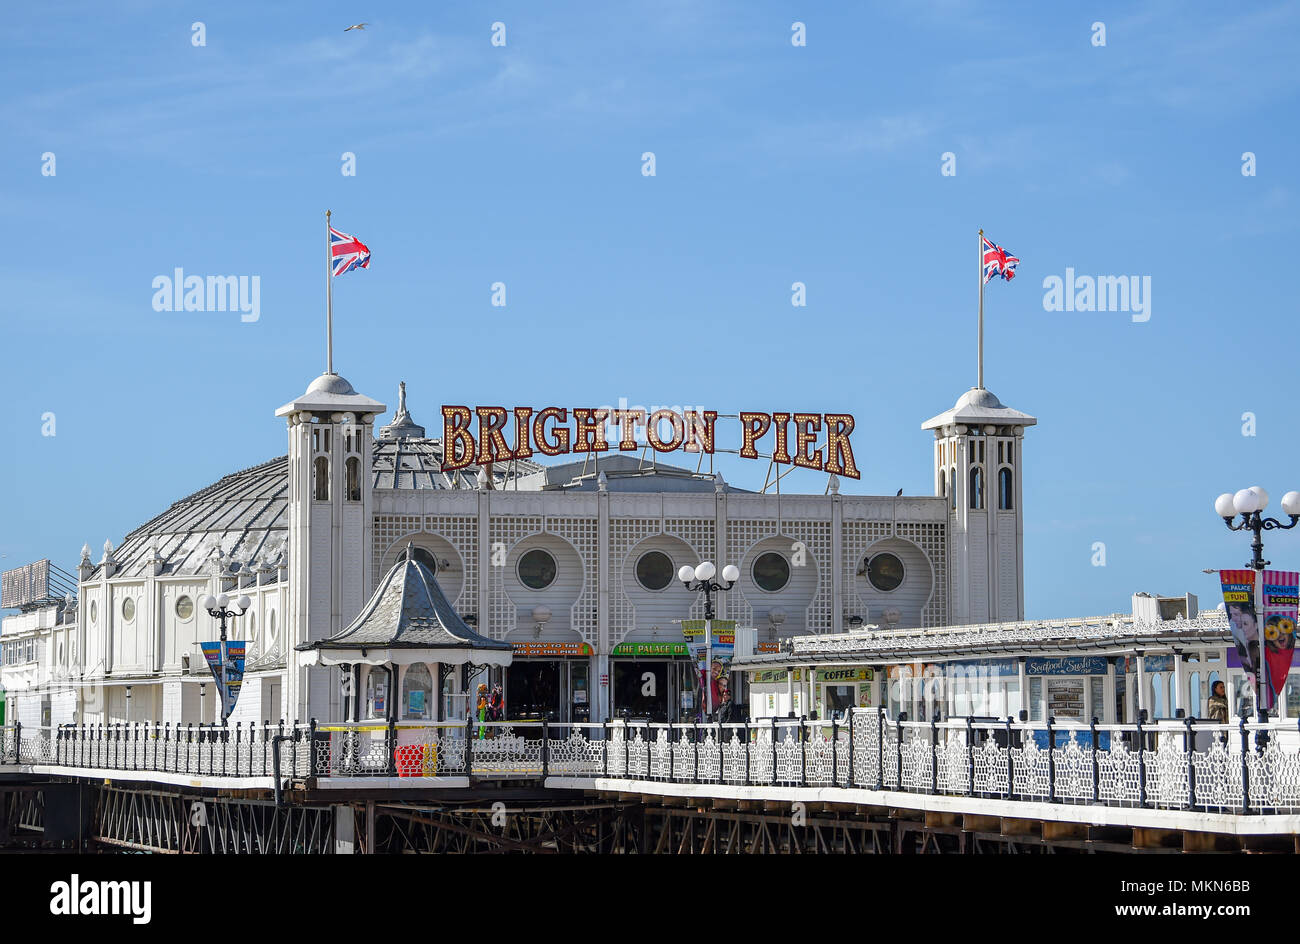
<point>482,710</point>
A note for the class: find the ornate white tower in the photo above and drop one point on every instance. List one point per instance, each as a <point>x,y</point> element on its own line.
<point>330,440</point>
<point>978,467</point>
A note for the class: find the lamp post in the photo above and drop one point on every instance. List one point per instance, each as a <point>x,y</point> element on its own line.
<point>700,579</point>
<point>1250,503</point>
<point>218,607</point>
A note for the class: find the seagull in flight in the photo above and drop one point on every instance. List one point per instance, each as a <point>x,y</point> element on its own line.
<point>359,26</point>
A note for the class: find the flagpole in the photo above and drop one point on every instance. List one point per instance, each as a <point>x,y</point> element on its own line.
<point>329,301</point>
<point>980,254</point>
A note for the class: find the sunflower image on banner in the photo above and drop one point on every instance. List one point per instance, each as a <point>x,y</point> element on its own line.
<point>1239,601</point>
<point>1281,596</point>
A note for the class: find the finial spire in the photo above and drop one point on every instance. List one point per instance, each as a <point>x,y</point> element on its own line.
<point>402,426</point>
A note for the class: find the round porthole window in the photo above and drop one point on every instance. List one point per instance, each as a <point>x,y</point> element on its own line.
<point>654,570</point>
<point>184,608</point>
<point>426,558</point>
<point>94,610</point>
<point>128,609</point>
<point>885,572</point>
<point>536,569</point>
<point>771,572</point>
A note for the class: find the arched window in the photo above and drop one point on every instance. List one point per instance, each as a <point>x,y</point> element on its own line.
<point>977,488</point>
<point>354,478</point>
<point>417,692</point>
<point>252,634</point>
<point>322,484</point>
<point>952,487</point>
<point>1005,492</point>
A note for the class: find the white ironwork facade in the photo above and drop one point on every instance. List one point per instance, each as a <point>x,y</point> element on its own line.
<point>307,536</point>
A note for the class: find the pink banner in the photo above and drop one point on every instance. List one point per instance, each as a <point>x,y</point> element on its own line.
<point>1281,594</point>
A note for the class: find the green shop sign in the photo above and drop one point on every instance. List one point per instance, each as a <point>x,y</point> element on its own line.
<point>650,649</point>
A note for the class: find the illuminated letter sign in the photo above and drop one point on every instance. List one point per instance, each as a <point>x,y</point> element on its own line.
<point>664,430</point>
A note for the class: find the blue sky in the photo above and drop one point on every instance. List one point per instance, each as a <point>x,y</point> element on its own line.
<point>522,164</point>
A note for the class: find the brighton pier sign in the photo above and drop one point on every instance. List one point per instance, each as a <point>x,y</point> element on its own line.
<point>479,436</point>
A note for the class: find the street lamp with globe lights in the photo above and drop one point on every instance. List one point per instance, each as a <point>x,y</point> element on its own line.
<point>1250,503</point>
<point>218,608</point>
<point>700,578</point>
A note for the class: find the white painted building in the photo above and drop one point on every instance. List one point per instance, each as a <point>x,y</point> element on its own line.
<point>573,564</point>
<point>1162,659</point>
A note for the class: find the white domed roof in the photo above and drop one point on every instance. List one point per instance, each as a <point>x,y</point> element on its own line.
<point>330,393</point>
<point>979,405</point>
<point>331,383</point>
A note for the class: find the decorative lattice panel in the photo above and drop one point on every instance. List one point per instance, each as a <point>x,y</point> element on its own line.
<point>698,533</point>
<point>387,531</point>
<point>857,537</point>
<point>932,539</point>
<point>459,531</point>
<point>504,533</point>
<point>581,533</point>
<point>627,533</point>
<point>743,534</point>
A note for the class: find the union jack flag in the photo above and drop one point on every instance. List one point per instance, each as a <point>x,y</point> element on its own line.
<point>997,261</point>
<point>347,253</point>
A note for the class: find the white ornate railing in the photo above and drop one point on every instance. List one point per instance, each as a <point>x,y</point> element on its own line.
<point>202,750</point>
<point>1241,767</point>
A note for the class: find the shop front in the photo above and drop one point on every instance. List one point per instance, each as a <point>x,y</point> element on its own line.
<point>980,688</point>
<point>652,681</point>
<point>837,690</point>
<point>549,681</point>
<point>1070,689</point>
<point>777,693</point>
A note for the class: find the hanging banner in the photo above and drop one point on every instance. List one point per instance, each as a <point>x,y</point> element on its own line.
<point>1281,596</point>
<point>711,644</point>
<point>722,643</point>
<point>1239,601</point>
<point>696,633</point>
<point>697,639</point>
<point>226,660</point>
<point>722,638</point>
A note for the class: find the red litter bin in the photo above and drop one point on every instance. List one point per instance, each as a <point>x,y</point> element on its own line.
<point>409,760</point>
